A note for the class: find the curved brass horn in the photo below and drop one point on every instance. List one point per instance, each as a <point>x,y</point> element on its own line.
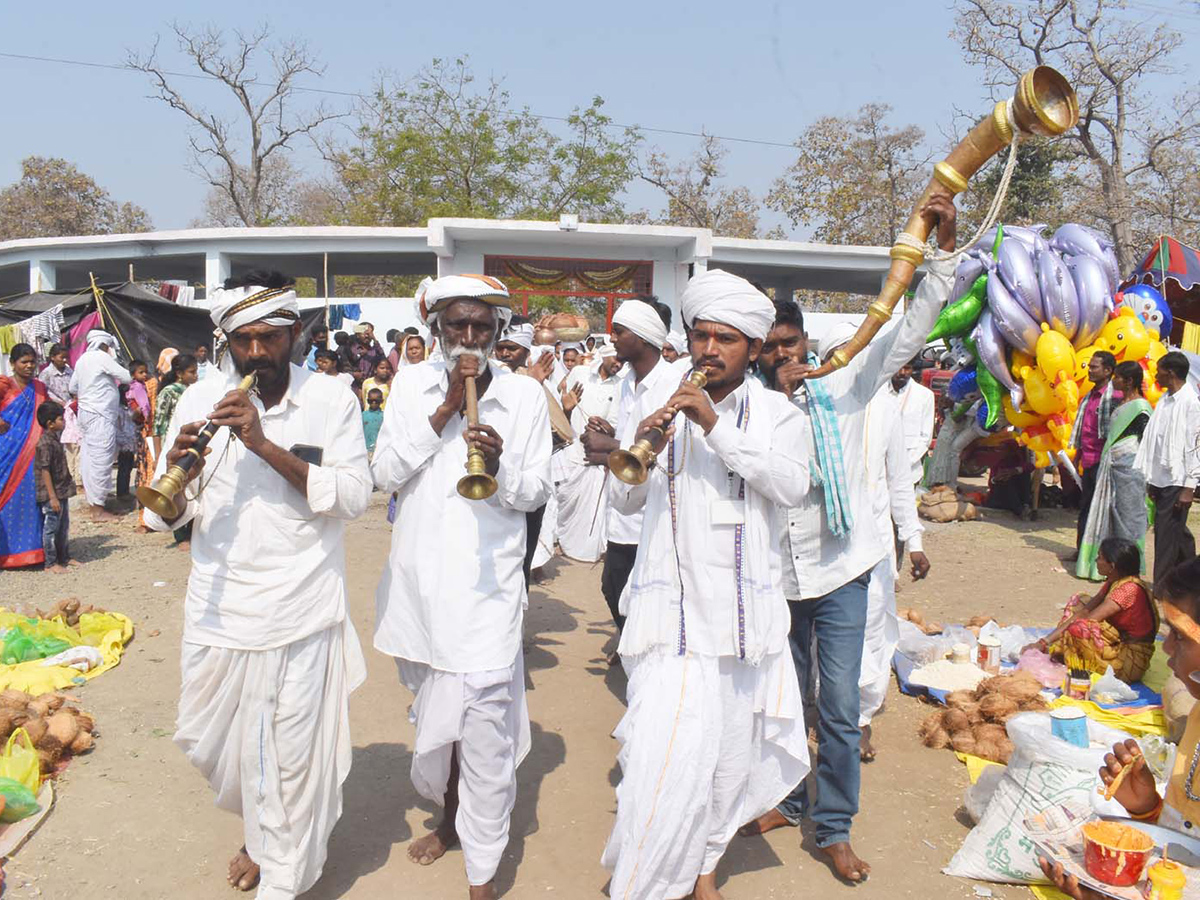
<point>1044,103</point>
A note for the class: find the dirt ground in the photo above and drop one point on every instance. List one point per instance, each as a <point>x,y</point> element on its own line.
<point>134,820</point>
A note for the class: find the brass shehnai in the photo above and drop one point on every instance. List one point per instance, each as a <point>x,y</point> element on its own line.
<point>1045,104</point>
<point>632,466</point>
<point>160,495</point>
<point>477,484</point>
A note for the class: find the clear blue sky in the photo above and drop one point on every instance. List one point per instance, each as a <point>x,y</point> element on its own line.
<point>751,69</point>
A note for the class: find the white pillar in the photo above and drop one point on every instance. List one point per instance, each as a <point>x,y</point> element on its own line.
<point>42,276</point>
<point>216,269</point>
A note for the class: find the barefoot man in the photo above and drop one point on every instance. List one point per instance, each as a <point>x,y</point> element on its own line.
<point>269,655</point>
<point>449,605</point>
<point>833,541</point>
<point>94,384</point>
<point>714,732</point>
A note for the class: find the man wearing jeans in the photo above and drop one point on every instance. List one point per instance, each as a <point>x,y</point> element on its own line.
<point>1170,459</point>
<point>833,542</point>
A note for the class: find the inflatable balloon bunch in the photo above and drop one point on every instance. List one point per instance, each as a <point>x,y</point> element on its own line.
<point>1028,313</point>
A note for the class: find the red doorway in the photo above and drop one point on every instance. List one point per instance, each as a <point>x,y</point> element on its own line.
<point>592,287</point>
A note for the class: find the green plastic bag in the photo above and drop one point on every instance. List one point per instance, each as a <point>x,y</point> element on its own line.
<point>20,646</point>
<point>19,801</point>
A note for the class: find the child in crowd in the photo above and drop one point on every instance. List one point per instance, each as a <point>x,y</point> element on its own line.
<point>55,486</point>
<point>57,378</point>
<point>128,437</point>
<point>171,386</point>
<point>381,381</point>
<point>327,364</point>
<point>372,417</point>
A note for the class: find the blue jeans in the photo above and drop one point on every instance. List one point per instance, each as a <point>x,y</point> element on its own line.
<point>838,621</point>
<point>54,533</point>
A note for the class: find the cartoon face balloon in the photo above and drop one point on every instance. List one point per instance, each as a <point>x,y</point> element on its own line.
<point>1125,336</point>
<point>1082,358</point>
<point>1150,307</point>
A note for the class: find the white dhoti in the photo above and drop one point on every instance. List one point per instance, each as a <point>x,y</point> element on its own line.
<point>485,716</point>
<point>582,510</point>
<point>97,451</point>
<point>544,551</point>
<point>707,744</point>
<point>270,730</point>
<point>880,639</point>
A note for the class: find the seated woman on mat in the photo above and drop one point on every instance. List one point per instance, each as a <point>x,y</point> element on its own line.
<point>1179,808</point>
<point>1116,627</point>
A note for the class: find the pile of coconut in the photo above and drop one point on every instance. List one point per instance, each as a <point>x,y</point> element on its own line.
<point>70,610</point>
<point>974,721</point>
<point>914,615</point>
<point>55,729</point>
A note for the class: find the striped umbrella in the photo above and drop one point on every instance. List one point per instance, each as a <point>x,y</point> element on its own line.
<point>1174,268</point>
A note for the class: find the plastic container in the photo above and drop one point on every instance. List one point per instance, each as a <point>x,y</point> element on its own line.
<point>1120,867</point>
<point>1167,881</point>
<point>989,655</point>
<point>1077,687</point>
<point>960,654</point>
<point>1069,723</point>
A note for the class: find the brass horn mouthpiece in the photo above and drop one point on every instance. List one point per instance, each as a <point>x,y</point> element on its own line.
<point>159,496</point>
<point>632,466</point>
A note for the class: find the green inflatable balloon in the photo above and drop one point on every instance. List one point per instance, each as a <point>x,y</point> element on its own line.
<point>960,316</point>
<point>993,392</point>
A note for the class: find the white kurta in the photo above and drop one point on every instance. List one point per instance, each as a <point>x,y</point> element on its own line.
<point>269,657</point>
<point>714,733</point>
<point>579,487</point>
<point>449,605</point>
<point>916,414</point>
<point>893,499</point>
<point>94,384</point>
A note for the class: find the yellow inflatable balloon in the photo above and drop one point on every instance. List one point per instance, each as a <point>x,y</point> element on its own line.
<point>1022,418</point>
<point>1083,356</point>
<point>1020,362</point>
<point>1039,395</point>
<point>1125,337</point>
<point>1067,391</point>
<point>1060,427</point>
<point>1157,351</point>
<point>1055,355</point>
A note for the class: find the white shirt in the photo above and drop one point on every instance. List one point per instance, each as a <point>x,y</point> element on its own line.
<point>627,528</point>
<point>599,396</point>
<point>887,461</point>
<point>916,415</point>
<point>451,595</point>
<point>1169,454</point>
<point>742,468</point>
<point>268,565</point>
<point>820,561</point>
<point>204,369</point>
<point>95,383</point>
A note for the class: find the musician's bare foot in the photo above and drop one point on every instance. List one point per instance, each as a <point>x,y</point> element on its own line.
<point>483,891</point>
<point>243,872</point>
<point>706,887</point>
<point>100,514</point>
<point>141,529</point>
<point>59,569</point>
<point>184,545</point>
<point>74,562</point>
<point>866,750</point>
<point>845,862</point>
<point>429,849</point>
<point>768,821</point>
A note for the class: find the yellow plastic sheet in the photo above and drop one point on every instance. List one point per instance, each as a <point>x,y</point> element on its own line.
<point>108,632</point>
<point>1145,721</point>
<point>975,764</point>
<point>1042,892</point>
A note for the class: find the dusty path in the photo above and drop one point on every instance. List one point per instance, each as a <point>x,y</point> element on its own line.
<point>133,820</point>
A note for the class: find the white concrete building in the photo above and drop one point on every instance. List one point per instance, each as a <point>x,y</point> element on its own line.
<point>592,264</point>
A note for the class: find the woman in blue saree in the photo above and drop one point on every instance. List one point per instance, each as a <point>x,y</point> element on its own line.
<point>20,518</point>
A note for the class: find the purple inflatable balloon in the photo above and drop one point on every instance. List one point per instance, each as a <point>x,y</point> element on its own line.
<point>1014,322</point>
<point>1094,298</point>
<point>1014,262</point>
<point>1058,294</point>
<point>1075,240</point>
<point>1029,235</point>
<point>1112,269</point>
<point>969,269</point>
<point>990,344</point>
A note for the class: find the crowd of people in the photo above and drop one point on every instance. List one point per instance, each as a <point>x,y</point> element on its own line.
<point>750,566</point>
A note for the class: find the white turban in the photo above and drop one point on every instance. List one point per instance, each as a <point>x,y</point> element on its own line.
<point>678,341</point>
<point>434,295</point>
<point>727,299</point>
<point>521,335</point>
<point>233,308</point>
<point>606,351</point>
<point>571,345</point>
<point>643,320</point>
<point>98,339</point>
<point>836,336</point>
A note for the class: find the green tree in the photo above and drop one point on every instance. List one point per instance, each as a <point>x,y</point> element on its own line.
<point>1041,190</point>
<point>855,179</point>
<point>440,145</point>
<point>54,199</point>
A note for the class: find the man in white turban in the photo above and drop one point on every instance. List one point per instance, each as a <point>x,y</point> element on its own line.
<point>269,655</point>
<point>675,347</point>
<point>714,732</point>
<point>452,618</point>
<point>833,541</point>
<point>639,328</point>
<point>94,384</point>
